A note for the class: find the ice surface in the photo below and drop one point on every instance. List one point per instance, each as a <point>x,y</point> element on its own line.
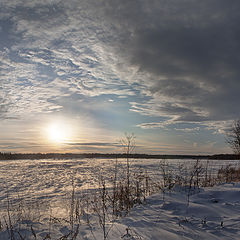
<point>40,183</point>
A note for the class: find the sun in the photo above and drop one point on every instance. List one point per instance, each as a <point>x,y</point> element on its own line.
<point>58,132</point>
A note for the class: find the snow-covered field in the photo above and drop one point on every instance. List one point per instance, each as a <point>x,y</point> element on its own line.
<point>45,186</point>
<point>214,213</point>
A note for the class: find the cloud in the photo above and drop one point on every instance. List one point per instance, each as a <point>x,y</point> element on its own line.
<point>57,50</point>
<point>179,60</point>
<point>194,129</point>
<point>99,144</point>
<point>3,108</point>
<point>151,125</point>
<point>187,53</point>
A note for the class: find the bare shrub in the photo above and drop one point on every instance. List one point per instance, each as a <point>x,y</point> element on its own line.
<point>128,144</point>
<point>167,177</point>
<point>233,137</point>
<point>229,174</point>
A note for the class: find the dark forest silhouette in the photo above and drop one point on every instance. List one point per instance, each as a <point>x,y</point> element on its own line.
<point>17,156</point>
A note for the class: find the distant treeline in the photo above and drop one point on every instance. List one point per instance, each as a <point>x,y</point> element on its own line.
<point>17,156</point>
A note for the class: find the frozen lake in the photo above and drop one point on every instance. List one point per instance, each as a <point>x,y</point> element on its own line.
<point>51,179</point>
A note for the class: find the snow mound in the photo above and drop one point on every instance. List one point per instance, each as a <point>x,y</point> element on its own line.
<point>212,213</point>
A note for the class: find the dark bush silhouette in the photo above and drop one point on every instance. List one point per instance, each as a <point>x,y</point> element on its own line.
<point>233,137</point>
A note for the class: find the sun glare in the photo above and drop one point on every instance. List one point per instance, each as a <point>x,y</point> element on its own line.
<point>58,133</point>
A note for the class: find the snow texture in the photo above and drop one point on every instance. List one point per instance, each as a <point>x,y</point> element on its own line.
<point>213,213</point>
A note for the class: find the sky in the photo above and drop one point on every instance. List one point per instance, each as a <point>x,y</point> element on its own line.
<point>76,75</point>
